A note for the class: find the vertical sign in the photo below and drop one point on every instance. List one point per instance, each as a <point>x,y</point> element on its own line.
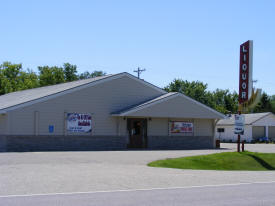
<point>245,83</point>
<point>239,124</point>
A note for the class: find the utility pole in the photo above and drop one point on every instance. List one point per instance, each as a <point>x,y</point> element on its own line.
<point>138,71</point>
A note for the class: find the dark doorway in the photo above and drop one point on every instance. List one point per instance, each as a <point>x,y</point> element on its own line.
<point>137,129</point>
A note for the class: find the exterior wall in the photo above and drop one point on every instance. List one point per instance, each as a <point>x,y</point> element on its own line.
<point>157,127</point>
<point>228,134</point>
<point>3,124</point>
<point>271,132</point>
<point>159,136</point>
<point>99,100</point>
<point>160,126</point>
<point>61,143</point>
<point>203,127</point>
<point>180,142</point>
<point>258,131</point>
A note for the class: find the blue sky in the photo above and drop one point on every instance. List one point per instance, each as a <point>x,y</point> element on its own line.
<point>192,40</point>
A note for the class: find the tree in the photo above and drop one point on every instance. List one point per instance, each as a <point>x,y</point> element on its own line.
<point>51,75</point>
<point>220,100</point>
<point>224,101</point>
<point>194,89</point>
<point>70,72</point>
<point>273,103</point>
<point>13,78</point>
<point>265,104</point>
<point>96,73</point>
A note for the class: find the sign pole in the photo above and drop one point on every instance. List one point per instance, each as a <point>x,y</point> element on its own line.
<point>239,137</point>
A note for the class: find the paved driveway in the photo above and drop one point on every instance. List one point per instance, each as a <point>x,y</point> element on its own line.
<point>65,172</point>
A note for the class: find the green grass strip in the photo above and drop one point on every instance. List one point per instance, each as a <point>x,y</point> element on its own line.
<point>247,161</point>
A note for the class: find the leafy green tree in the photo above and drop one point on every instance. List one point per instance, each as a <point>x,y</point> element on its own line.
<point>273,103</point>
<point>51,75</point>
<point>70,72</point>
<point>265,104</point>
<point>220,100</point>
<point>194,89</point>
<point>13,78</point>
<point>29,80</point>
<point>96,73</point>
<point>224,101</point>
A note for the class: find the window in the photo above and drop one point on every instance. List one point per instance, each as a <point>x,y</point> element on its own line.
<point>220,130</point>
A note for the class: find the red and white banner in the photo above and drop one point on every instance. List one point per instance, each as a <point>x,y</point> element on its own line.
<point>181,127</point>
<point>245,83</point>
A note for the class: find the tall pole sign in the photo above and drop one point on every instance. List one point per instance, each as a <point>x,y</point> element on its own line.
<point>246,69</point>
<point>245,86</point>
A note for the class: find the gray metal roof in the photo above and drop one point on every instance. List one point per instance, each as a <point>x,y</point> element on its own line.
<point>119,113</point>
<point>249,118</point>
<point>166,97</point>
<point>19,97</point>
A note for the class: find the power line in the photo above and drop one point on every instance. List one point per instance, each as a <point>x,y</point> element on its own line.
<point>139,71</point>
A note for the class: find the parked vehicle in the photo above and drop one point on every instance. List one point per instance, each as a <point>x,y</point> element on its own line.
<point>263,139</point>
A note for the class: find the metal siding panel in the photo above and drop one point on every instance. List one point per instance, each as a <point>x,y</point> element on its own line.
<point>203,127</point>
<point>2,124</point>
<point>258,131</point>
<point>158,127</point>
<point>271,132</point>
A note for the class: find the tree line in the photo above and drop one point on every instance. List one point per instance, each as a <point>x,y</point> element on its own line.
<point>221,100</point>
<point>14,78</point>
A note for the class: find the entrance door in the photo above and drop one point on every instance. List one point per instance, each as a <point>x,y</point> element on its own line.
<point>137,129</point>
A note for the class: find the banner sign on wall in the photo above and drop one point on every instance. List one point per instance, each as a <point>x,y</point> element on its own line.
<point>245,82</point>
<point>79,122</point>
<point>181,127</point>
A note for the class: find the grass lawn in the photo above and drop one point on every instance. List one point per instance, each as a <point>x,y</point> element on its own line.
<point>221,161</point>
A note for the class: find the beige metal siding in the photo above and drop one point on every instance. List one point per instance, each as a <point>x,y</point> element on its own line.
<point>99,100</point>
<point>2,124</point>
<point>157,127</point>
<point>203,127</point>
<point>160,126</point>
<point>258,131</point>
<point>271,132</point>
<point>177,107</point>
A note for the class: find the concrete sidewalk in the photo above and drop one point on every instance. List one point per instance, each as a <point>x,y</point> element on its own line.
<point>58,172</point>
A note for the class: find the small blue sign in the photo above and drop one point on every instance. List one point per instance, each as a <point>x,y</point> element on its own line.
<point>51,128</point>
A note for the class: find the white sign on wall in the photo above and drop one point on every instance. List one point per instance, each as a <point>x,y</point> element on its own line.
<point>181,127</point>
<point>239,124</point>
<point>80,123</point>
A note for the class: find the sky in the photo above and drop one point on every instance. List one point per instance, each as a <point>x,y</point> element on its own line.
<point>191,40</point>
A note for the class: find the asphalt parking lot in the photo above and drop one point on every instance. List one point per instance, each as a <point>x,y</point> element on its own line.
<point>70,172</point>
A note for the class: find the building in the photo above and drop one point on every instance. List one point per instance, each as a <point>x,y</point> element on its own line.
<point>104,113</point>
<point>256,125</point>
